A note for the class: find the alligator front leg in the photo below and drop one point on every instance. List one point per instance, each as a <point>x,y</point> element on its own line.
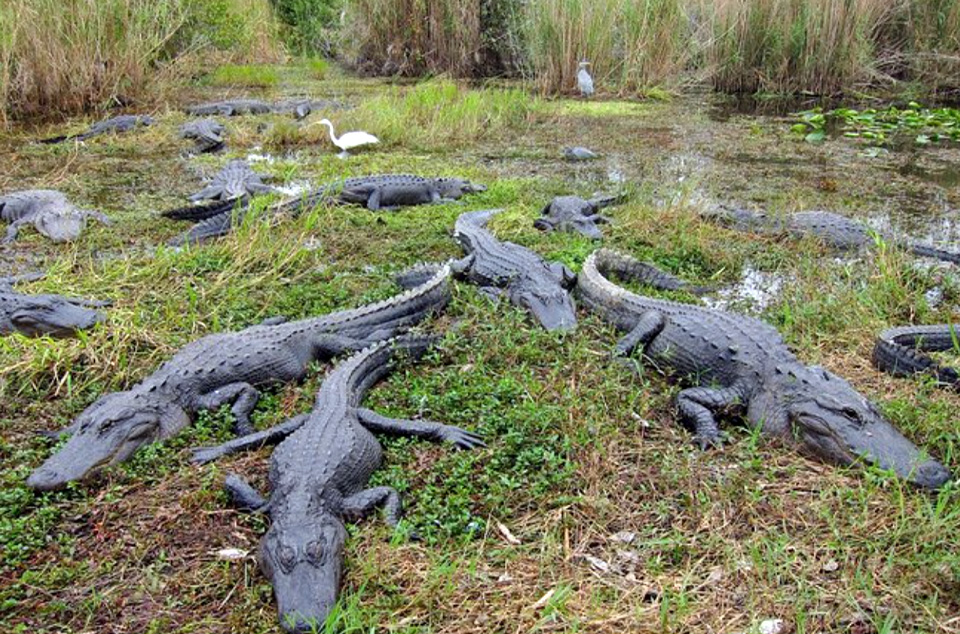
<point>13,230</point>
<point>244,398</point>
<point>429,430</point>
<point>99,217</point>
<point>564,275</point>
<point>256,440</point>
<point>698,409</point>
<point>243,496</point>
<point>649,325</point>
<point>362,504</point>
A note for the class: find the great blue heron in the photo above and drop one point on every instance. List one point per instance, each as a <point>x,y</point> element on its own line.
<point>584,80</point>
<point>348,140</point>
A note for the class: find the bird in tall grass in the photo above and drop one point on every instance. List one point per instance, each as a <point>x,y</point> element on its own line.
<point>584,80</point>
<point>348,140</point>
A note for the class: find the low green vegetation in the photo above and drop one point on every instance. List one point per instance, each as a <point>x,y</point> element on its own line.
<point>230,75</point>
<point>892,125</point>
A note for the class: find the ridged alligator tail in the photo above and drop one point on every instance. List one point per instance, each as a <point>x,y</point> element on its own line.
<point>899,351</point>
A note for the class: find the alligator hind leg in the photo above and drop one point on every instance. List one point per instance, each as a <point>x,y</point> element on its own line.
<point>649,325</point>
<point>429,430</point>
<point>362,504</point>
<point>256,440</point>
<point>242,495</point>
<point>698,408</point>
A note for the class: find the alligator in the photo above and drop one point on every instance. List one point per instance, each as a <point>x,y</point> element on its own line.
<point>318,479</point>
<point>835,231</point>
<point>899,351</point>
<point>207,134</point>
<point>575,215</point>
<point>733,364</point>
<point>229,108</point>
<point>505,268</point>
<point>123,123</point>
<point>236,180</point>
<point>378,192</point>
<point>44,315</point>
<point>225,368</point>
<point>47,210</point>
<point>579,153</point>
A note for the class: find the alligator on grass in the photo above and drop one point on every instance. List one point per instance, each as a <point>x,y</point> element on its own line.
<point>207,134</point>
<point>299,108</point>
<point>508,269</point>
<point>236,180</point>
<point>899,351</point>
<point>733,364</point>
<point>318,480</point>
<point>378,192</point>
<point>832,229</point>
<point>44,315</point>
<point>48,211</point>
<point>115,125</point>
<point>576,215</point>
<point>225,368</point>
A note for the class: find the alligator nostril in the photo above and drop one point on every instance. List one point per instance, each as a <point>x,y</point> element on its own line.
<point>932,475</point>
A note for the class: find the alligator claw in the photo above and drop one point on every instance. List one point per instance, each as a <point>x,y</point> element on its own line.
<point>709,442</point>
<point>462,438</point>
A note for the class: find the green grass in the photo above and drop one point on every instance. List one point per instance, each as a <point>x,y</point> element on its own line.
<point>246,76</point>
<point>580,449</point>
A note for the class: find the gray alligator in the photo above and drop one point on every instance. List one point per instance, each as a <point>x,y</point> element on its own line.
<point>833,230</point>
<point>123,123</point>
<point>579,153</point>
<point>378,192</point>
<point>318,479</point>
<point>207,134</point>
<point>899,351</point>
<point>225,368</point>
<point>504,268</point>
<point>48,211</point>
<point>299,108</point>
<point>575,215</point>
<point>236,180</point>
<point>737,364</point>
<point>44,315</point>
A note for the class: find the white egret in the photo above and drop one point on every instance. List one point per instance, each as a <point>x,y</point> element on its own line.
<point>348,140</point>
<point>584,80</point>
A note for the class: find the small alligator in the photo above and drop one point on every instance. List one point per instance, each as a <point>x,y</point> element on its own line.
<point>579,153</point>
<point>207,134</point>
<point>385,191</point>
<point>737,364</point>
<point>318,479</point>
<point>833,230</point>
<point>575,215</point>
<point>47,210</point>
<point>225,368</point>
<point>505,268</point>
<point>236,180</point>
<point>123,123</point>
<point>899,351</point>
<point>44,315</point>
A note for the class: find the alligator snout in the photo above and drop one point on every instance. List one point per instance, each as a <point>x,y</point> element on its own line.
<point>931,475</point>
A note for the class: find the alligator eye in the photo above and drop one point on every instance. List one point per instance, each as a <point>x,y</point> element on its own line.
<point>315,552</point>
<point>287,557</point>
<point>851,413</point>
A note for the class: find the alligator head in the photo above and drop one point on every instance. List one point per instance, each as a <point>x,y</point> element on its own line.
<point>457,187</point>
<point>829,419</point>
<point>109,431</point>
<point>304,563</point>
<point>39,315</point>
<point>61,224</point>
<point>550,304</point>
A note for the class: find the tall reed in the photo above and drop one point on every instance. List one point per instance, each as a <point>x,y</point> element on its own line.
<point>934,43</point>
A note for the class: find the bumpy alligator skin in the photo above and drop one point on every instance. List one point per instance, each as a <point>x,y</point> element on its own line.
<point>899,351</point>
<point>575,215</point>
<point>225,368</point>
<point>123,123</point>
<point>48,211</point>
<point>44,315</point>
<point>207,134</point>
<point>384,191</point>
<point>318,479</point>
<point>736,364</point>
<point>230,108</point>
<point>834,230</point>
<point>236,180</point>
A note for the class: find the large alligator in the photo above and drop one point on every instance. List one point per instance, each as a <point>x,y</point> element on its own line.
<point>299,108</point>
<point>832,229</point>
<point>383,191</point>
<point>575,215</point>
<point>225,368</point>
<point>899,351</point>
<point>318,479</point>
<point>737,364</point>
<point>48,211</point>
<point>44,315</point>
<point>123,123</point>
<point>504,268</point>
<point>236,180</point>
<point>207,134</point>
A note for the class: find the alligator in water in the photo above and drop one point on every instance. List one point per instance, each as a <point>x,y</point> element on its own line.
<point>48,211</point>
<point>899,351</point>
<point>575,215</point>
<point>236,180</point>
<point>318,479</point>
<point>833,230</point>
<point>207,134</point>
<point>44,315</point>
<point>225,368</point>
<point>384,191</point>
<point>737,364</point>
<point>123,123</point>
<point>504,268</point>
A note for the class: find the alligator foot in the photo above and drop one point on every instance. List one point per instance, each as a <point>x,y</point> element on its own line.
<point>243,496</point>
<point>256,440</point>
<point>363,503</point>
<point>429,430</point>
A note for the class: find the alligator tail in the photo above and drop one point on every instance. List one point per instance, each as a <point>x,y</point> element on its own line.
<point>645,273</point>
<point>933,252</point>
<point>197,213</point>
<point>898,351</point>
<point>207,229</point>
<point>56,139</point>
<point>417,275</point>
